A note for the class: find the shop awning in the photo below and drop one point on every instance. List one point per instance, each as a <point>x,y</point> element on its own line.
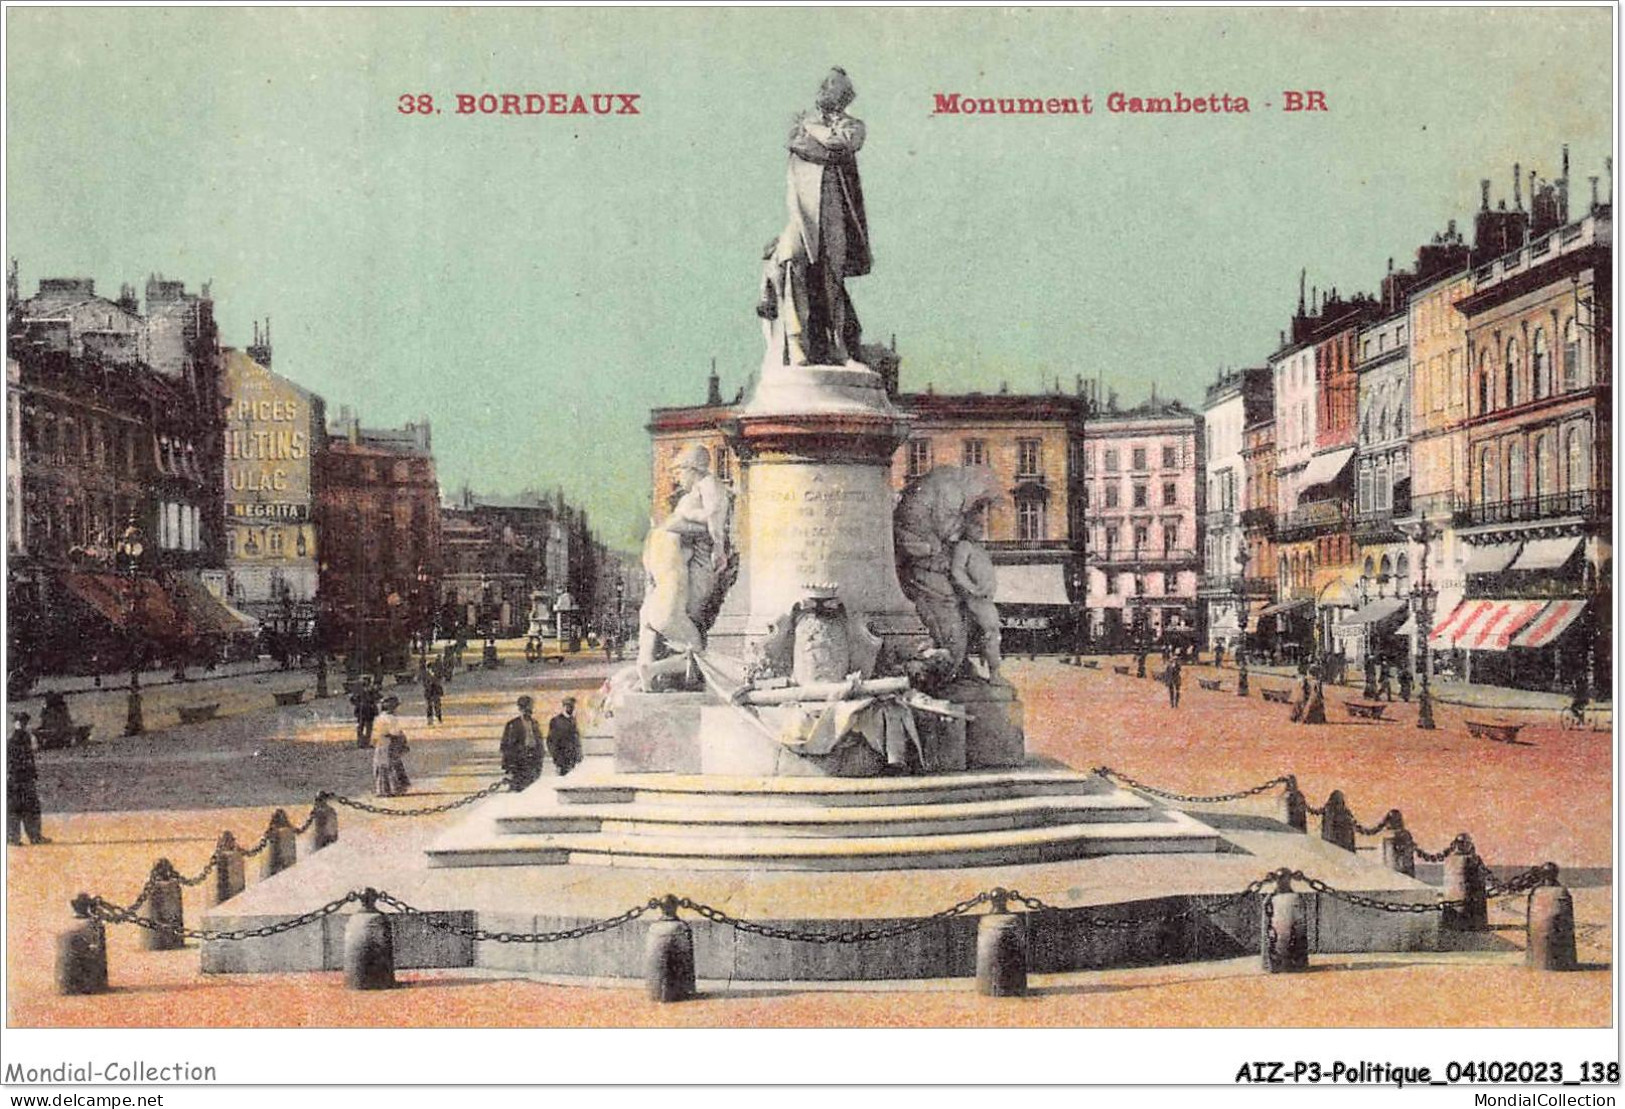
<point>1551,622</point>
<point>208,613</point>
<point>1491,558</point>
<point>1031,584</point>
<point>1446,630</point>
<point>1547,554</point>
<point>1494,625</point>
<point>1408,627</point>
<point>1375,612</point>
<point>1326,467</point>
<point>140,604</point>
<point>1283,606</point>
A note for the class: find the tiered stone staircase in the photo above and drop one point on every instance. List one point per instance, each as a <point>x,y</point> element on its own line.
<point>1038,813</point>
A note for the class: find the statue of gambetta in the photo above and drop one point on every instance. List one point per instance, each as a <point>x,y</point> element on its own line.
<point>809,316</point>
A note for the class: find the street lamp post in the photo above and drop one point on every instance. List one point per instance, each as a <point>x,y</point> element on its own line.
<point>130,550</point>
<point>1423,599</point>
<point>423,609</point>
<point>487,618</point>
<point>1242,555</point>
<point>1369,692</point>
<point>620,614</point>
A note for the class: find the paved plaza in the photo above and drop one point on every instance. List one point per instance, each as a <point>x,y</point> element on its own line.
<point>118,804</point>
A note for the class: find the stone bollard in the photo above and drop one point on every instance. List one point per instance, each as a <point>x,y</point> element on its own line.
<point>81,953</point>
<point>281,846</point>
<point>369,948</point>
<point>1294,808</point>
<point>1284,929</point>
<point>1001,950</point>
<point>1550,924</point>
<point>1464,882</point>
<point>164,908</point>
<point>1399,851</point>
<point>324,825</point>
<point>1336,822</point>
<point>668,956</point>
<point>228,870</point>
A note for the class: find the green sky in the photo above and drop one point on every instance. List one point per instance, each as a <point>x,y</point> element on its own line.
<point>535,285</point>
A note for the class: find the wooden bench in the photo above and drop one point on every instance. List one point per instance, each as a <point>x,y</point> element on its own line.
<point>288,697</point>
<point>1366,710</point>
<point>1212,685</point>
<point>1499,731</point>
<point>1278,696</point>
<point>1123,670</point>
<point>407,677</point>
<point>197,714</point>
<point>1090,663</point>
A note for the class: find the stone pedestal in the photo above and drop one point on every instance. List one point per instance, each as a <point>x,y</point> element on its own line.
<point>994,735</point>
<point>658,733</point>
<point>815,502</point>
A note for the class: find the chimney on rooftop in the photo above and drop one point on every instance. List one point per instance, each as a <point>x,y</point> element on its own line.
<point>1517,186</point>
<point>1483,194</point>
<point>713,386</point>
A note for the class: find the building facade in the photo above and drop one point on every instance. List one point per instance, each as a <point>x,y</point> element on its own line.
<point>103,440</point>
<point>274,432</point>
<point>1145,476</point>
<point>1235,401</point>
<point>1536,524</point>
<point>378,507</point>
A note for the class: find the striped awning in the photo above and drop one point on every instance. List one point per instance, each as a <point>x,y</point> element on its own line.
<point>1551,622</point>
<point>1444,632</point>
<point>1494,624</point>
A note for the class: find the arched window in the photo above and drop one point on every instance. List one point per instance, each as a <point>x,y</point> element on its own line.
<point>1385,572</point>
<point>1370,567</point>
<point>1571,354</point>
<point>1540,364</point>
<point>1515,486</point>
<point>1486,390</point>
<point>1404,567</point>
<point>1399,422</point>
<point>1511,369</point>
<point>1543,484</point>
<point>1575,450</point>
<point>1486,476</point>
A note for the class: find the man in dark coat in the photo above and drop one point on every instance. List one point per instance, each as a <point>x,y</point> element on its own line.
<point>433,690</point>
<point>522,746</point>
<point>22,785</point>
<point>1175,677</point>
<point>564,739</point>
<point>365,700</point>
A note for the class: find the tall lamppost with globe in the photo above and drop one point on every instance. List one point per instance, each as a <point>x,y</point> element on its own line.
<point>129,552</point>
<point>1424,597</point>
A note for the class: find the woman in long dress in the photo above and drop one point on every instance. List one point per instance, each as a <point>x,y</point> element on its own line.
<point>388,757</point>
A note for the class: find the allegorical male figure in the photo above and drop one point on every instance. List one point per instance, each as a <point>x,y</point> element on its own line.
<point>827,238</point>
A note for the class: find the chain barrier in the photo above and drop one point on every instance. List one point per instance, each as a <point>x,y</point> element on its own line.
<point>105,912</point>
<point>197,880</point>
<point>495,787</point>
<point>1456,846</point>
<point>858,935</point>
<point>265,840</point>
<point>484,935</point>
<point>1388,821</point>
<point>1132,783</point>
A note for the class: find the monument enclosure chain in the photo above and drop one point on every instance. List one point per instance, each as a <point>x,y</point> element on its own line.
<point>1132,783</point>
<point>107,913</point>
<point>519,937</point>
<point>430,810</point>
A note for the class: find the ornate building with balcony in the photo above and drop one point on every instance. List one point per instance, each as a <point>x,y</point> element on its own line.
<point>1536,519</point>
<point>1145,477</point>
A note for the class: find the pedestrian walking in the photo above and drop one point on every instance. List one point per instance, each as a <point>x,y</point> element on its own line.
<point>365,700</point>
<point>522,749</point>
<point>1139,663</point>
<point>22,785</point>
<point>564,738</point>
<point>1175,677</point>
<point>1218,656</point>
<point>433,690</point>
<point>1301,705</point>
<point>1385,684</point>
<point>389,777</point>
<point>1315,713</point>
<point>1406,683</point>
